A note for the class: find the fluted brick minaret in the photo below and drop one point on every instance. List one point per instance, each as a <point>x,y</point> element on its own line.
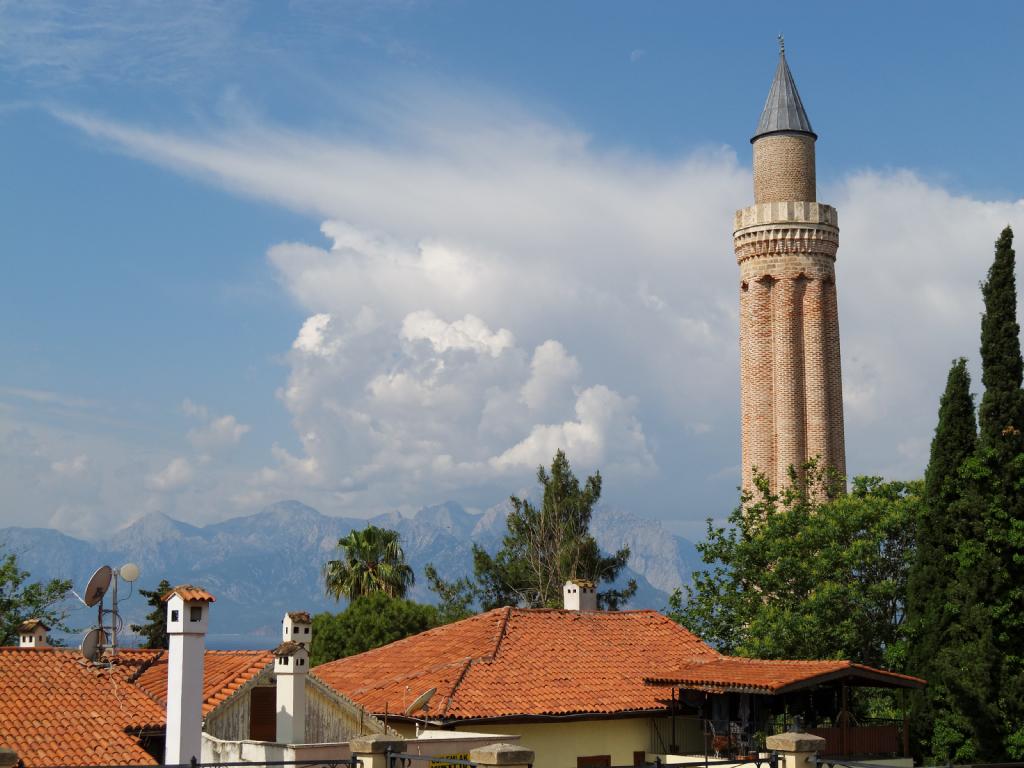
<point>791,390</point>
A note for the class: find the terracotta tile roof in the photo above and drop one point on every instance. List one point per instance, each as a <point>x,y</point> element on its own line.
<point>774,676</point>
<point>513,662</point>
<point>189,594</point>
<point>223,673</point>
<point>100,712</point>
<point>95,711</point>
<point>300,617</point>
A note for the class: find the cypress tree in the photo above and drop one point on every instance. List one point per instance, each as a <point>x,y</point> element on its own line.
<point>931,574</point>
<point>993,542</point>
<point>1001,364</point>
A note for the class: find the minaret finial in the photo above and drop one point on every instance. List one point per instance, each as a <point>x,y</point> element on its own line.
<point>782,44</point>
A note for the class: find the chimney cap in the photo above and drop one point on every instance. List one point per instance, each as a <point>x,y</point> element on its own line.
<point>299,617</point>
<point>289,648</point>
<point>189,594</point>
<point>31,624</point>
<point>584,583</point>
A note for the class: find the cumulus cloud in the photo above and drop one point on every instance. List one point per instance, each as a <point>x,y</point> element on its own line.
<point>215,432</point>
<point>312,337</point>
<point>496,286</point>
<point>469,333</point>
<point>177,474</point>
<point>603,432</point>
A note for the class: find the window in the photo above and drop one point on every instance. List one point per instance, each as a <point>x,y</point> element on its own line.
<point>294,630</point>
<point>174,615</point>
<point>307,630</point>
<point>195,613</point>
<point>283,661</point>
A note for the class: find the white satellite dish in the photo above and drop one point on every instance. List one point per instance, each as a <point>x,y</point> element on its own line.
<point>98,585</point>
<point>92,643</point>
<point>129,572</point>
<point>421,701</point>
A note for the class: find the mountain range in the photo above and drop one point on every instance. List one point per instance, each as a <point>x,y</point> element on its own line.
<point>260,565</point>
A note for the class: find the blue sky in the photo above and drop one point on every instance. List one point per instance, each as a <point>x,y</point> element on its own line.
<point>381,255</point>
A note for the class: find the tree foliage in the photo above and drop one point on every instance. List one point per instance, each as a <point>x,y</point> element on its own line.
<point>154,630</point>
<point>966,589</point>
<point>545,546</point>
<point>369,622</point>
<point>455,598</point>
<point>797,576</point>
<point>371,560</point>
<point>21,599</point>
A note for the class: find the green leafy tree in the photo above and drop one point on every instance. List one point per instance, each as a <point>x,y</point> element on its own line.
<point>547,545</point>
<point>21,599</point>
<point>372,560</point>
<point>154,630</point>
<point>796,575</point>
<point>369,622</point>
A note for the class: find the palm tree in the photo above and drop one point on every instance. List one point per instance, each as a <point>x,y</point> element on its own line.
<point>371,560</point>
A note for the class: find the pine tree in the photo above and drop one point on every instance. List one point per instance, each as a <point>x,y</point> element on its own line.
<point>155,628</point>
<point>932,571</point>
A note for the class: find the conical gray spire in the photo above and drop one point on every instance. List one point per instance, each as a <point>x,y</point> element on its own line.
<point>783,111</point>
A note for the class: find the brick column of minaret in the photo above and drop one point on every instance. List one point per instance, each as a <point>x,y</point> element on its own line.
<point>791,391</point>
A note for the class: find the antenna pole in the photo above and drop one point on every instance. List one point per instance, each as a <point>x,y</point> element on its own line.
<point>113,616</point>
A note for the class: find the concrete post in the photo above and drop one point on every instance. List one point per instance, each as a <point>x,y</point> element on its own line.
<point>372,751</point>
<point>504,755</point>
<point>797,750</point>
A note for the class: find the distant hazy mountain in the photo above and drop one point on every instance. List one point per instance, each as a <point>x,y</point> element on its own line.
<point>260,565</point>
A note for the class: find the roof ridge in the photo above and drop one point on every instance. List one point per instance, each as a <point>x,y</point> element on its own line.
<point>144,666</point>
<point>501,634</point>
<point>456,684</point>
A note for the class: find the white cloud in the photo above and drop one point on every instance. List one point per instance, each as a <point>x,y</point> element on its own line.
<point>496,287</point>
<point>605,432</point>
<point>312,337</point>
<point>72,467</point>
<point>553,371</point>
<point>177,474</point>
<point>218,433</point>
<point>470,333</point>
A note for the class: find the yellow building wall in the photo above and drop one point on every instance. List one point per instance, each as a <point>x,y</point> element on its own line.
<point>557,745</point>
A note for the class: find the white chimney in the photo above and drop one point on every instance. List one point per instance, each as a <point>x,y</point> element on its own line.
<point>32,634</point>
<point>297,627</point>
<point>188,618</point>
<point>291,663</point>
<point>579,595</point>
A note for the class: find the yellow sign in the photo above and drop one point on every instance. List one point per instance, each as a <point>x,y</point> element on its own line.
<point>439,761</point>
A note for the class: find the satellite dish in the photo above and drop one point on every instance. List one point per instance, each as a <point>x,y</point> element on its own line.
<point>93,643</point>
<point>129,572</point>
<point>98,585</point>
<point>421,701</point>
